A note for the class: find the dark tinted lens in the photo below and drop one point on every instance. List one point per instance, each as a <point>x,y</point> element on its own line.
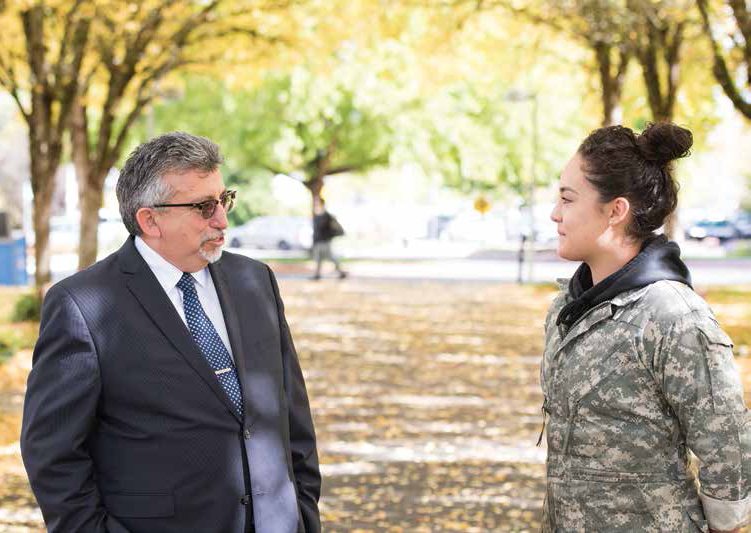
<point>228,201</point>
<point>208,207</point>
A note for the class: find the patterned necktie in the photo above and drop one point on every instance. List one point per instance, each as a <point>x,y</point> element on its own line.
<point>209,342</point>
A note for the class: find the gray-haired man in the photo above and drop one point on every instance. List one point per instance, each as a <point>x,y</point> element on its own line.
<point>166,394</point>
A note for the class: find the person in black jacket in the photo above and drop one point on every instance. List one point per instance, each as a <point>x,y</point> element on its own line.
<point>325,228</point>
<point>165,394</point>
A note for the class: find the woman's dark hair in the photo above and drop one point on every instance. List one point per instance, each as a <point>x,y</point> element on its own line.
<point>620,163</point>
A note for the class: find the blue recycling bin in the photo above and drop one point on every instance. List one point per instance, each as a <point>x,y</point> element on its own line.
<point>13,261</point>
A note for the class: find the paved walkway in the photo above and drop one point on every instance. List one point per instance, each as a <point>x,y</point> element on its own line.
<point>426,402</point>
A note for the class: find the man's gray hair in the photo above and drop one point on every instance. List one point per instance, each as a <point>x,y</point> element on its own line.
<point>140,183</point>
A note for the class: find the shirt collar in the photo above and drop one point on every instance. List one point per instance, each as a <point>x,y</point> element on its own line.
<point>166,273</point>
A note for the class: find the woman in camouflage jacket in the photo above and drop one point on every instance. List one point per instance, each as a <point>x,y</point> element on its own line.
<point>637,375</point>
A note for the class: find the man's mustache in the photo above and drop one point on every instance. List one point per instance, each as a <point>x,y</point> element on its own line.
<point>212,235</point>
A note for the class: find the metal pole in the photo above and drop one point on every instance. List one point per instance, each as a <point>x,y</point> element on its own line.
<point>532,181</point>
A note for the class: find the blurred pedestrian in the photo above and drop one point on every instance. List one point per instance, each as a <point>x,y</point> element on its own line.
<point>325,229</point>
<point>165,393</point>
<point>637,373</point>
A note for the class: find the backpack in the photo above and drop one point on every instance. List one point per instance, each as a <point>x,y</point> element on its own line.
<point>335,229</point>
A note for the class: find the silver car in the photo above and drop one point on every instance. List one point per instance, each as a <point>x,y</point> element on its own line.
<point>280,232</point>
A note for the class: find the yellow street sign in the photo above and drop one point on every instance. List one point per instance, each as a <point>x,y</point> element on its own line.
<point>482,205</point>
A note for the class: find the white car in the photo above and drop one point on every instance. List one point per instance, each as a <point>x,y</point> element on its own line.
<point>472,226</point>
<point>280,232</point>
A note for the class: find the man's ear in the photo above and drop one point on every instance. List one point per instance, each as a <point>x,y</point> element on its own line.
<point>146,218</point>
<point>619,211</point>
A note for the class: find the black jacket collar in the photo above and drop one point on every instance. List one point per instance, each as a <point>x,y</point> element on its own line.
<point>659,259</point>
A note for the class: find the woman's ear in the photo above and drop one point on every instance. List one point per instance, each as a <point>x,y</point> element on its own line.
<point>147,221</point>
<point>619,211</point>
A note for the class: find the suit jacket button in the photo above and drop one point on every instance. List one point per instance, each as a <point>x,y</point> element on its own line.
<point>245,500</point>
<point>246,434</point>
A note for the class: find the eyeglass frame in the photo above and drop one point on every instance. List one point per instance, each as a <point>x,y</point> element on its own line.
<point>228,196</point>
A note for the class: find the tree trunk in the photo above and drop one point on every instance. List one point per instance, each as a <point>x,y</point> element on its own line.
<point>42,210</point>
<point>611,82</point>
<point>50,106</point>
<point>671,225</point>
<point>315,186</point>
<point>612,110</point>
<point>667,43</point>
<point>90,192</point>
<point>44,155</point>
<point>90,200</point>
<point>43,185</point>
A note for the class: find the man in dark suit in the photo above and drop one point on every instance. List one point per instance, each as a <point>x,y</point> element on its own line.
<point>166,394</point>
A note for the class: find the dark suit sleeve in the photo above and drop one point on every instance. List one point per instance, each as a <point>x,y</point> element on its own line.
<point>59,413</point>
<point>301,431</point>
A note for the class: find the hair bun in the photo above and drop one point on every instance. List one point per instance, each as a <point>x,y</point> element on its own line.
<point>663,142</point>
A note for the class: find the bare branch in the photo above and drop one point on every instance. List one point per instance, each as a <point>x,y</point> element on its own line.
<point>111,158</point>
<point>8,80</point>
<point>14,93</point>
<point>68,26</point>
<point>720,68</point>
<point>743,18</point>
<point>253,34</point>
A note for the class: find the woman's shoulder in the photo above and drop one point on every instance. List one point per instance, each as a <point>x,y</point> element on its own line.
<point>666,303</point>
<point>674,298</point>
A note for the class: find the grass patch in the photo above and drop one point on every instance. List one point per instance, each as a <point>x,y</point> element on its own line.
<point>728,294</point>
<point>28,308</point>
<point>732,307</point>
<point>740,251</point>
<point>17,335</point>
<point>6,351</point>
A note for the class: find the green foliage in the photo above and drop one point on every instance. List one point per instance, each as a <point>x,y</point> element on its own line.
<point>6,350</point>
<point>19,314</point>
<point>207,107</point>
<point>742,250</point>
<point>485,141</point>
<point>285,125</point>
<point>299,119</point>
<point>746,200</point>
<point>28,307</point>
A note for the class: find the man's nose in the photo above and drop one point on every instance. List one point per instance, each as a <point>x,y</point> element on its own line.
<point>219,219</point>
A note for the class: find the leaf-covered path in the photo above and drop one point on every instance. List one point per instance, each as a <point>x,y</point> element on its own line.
<point>425,398</point>
<point>427,404</point>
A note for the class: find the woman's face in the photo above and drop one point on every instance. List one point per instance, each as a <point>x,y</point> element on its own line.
<point>582,220</point>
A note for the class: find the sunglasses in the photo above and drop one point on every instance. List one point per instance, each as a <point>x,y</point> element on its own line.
<point>208,208</point>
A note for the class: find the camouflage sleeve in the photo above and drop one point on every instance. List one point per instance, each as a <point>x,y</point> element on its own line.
<point>701,381</point>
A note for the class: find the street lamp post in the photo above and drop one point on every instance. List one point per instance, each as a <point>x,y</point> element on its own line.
<point>516,95</point>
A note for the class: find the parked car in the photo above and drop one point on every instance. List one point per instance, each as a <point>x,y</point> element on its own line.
<point>281,232</point>
<point>471,226</point>
<point>742,222</point>
<point>722,229</point>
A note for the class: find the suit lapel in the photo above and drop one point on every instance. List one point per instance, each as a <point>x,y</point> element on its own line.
<point>150,294</point>
<point>223,291</point>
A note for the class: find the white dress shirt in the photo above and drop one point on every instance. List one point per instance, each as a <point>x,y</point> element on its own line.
<point>168,275</point>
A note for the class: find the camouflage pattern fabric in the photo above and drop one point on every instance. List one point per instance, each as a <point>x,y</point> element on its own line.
<point>631,390</point>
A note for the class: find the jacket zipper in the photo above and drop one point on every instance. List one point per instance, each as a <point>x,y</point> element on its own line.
<point>544,416</point>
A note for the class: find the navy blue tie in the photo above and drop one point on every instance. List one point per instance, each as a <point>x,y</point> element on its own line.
<point>209,342</point>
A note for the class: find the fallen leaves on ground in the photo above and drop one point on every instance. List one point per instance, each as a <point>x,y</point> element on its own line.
<point>425,398</point>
